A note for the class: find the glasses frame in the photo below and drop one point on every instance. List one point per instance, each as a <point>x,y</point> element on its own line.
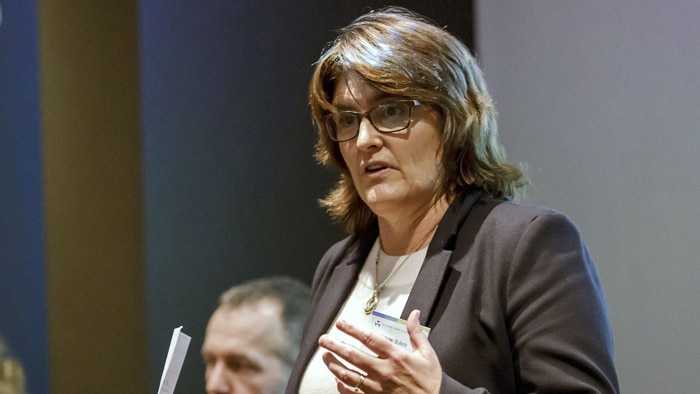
<point>366,114</point>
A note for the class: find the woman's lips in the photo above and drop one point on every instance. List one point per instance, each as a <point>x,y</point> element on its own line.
<point>374,168</point>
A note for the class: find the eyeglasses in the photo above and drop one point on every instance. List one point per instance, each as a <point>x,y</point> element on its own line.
<point>386,118</point>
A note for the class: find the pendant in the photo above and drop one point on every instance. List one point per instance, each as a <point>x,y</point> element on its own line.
<point>372,303</point>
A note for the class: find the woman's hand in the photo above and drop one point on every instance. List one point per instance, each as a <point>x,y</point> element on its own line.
<point>394,370</point>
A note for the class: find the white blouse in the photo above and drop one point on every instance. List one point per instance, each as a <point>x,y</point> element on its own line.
<point>317,379</point>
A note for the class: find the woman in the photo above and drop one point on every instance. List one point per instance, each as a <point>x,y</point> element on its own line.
<point>509,294</point>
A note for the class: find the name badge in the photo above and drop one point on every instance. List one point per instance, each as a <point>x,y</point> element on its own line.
<point>393,329</point>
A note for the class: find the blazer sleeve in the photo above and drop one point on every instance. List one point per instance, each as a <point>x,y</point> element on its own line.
<point>556,313</point>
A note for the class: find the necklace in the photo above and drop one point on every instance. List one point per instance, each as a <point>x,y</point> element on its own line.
<point>373,301</point>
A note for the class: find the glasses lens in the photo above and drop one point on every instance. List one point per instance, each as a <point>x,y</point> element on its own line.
<point>392,116</point>
<point>386,118</point>
<point>342,125</point>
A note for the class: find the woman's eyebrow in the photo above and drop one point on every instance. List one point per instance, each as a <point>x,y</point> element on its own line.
<point>379,99</point>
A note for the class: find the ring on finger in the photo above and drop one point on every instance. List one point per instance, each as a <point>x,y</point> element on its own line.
<point>359,384</point>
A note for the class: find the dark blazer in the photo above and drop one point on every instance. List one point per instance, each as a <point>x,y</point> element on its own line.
<point>510,294</point>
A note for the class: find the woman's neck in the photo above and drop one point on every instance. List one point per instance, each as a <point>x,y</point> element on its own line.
<point>403,235</point>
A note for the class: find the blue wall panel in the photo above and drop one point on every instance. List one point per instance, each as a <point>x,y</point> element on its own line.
<point>22,275</point>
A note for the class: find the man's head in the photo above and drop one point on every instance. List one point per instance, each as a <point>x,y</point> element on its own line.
<point>252,338</point>
<point>12,380</point>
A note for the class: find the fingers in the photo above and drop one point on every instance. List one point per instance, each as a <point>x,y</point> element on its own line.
<point>342,355</point>
<point>381,346</point>
<point>393,368</point>
<point>348,380</point>
<point>347,352</point>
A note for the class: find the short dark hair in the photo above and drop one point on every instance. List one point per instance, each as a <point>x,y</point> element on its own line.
<point>292,294</point>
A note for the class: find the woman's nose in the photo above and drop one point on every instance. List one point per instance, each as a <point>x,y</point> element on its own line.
<point>367,135</point>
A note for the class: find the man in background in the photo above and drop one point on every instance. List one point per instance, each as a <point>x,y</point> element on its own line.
<point>252,338</point>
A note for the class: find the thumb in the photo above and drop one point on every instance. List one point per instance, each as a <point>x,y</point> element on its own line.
<point>418,339</point>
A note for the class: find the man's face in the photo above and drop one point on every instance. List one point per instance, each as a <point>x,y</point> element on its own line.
<point>242,348</point>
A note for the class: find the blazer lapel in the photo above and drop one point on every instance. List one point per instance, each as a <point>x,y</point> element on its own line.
<point>338,287</point>
<point>429,283</point>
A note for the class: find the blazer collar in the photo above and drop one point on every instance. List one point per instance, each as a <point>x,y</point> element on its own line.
<point>343,278</point>
<point>429,283</point>
<point>423,296</point>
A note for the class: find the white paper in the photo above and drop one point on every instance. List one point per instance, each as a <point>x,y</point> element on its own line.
<point>173,363</point>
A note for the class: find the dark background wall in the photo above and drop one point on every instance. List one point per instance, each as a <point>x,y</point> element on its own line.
<point>230,180</point>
